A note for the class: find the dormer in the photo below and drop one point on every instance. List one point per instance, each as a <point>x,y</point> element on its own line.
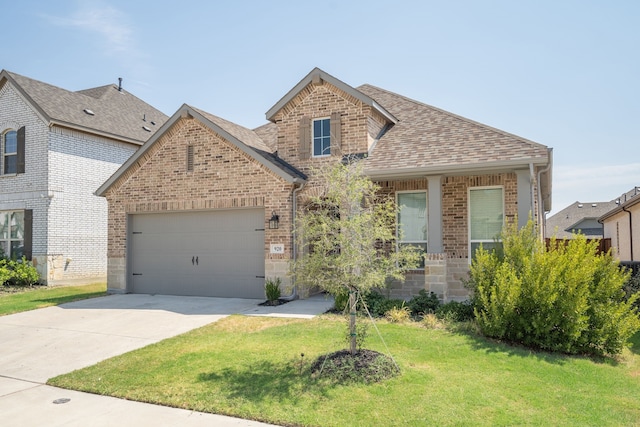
<point>322,118</point>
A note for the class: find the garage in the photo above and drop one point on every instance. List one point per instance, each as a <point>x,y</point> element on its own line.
<point>216,253</point>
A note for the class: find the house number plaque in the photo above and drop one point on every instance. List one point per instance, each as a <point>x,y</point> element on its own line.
<point>277,248</point>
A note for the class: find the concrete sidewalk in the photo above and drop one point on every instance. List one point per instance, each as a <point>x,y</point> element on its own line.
<point>41,344</point>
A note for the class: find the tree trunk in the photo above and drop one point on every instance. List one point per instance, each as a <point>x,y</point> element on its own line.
<point>352,321</point>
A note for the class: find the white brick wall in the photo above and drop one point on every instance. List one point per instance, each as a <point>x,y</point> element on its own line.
<point>70,228</point>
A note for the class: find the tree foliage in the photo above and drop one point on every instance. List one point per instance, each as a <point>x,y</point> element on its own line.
<point>346,235</point>
<point>567,298</point>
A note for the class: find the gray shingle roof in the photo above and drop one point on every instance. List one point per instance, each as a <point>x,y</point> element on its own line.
<point>573,215</point>
<point>427,136</point>
<point>117,114</point>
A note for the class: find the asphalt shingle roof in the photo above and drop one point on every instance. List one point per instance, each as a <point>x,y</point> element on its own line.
<point>575,213</point>
<point>116,113</point>
<point>427,136</point>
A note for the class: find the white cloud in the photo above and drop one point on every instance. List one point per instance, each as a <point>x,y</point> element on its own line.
<point>592,183</point>
<point>109,23</point>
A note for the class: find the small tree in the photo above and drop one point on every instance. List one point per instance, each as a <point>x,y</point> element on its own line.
<point>346,234</point>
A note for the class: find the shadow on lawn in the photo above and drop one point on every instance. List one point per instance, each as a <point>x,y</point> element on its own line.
<point>267,380</point>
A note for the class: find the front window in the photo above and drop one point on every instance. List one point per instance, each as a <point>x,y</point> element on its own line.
<point>12,234</point>
<point>321,137</point>
<point>10,152</point>
<point>412,221</point>
<point>486,218</point>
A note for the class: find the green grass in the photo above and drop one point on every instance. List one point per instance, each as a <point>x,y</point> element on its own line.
<point>252,368</point>
<point>42,296</point>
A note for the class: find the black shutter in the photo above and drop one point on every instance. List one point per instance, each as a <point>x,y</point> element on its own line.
<point>305,138</point>
<point>28,234</point>
<point>20,159</point>
<point>336,133</point>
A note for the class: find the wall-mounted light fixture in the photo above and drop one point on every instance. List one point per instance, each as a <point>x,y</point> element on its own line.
<point>274,221</point>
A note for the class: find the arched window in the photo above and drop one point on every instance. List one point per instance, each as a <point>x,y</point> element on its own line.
<point>13,151</point>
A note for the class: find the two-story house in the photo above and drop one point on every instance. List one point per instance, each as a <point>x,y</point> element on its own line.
<point>206,207</point>
<point>56,148</point>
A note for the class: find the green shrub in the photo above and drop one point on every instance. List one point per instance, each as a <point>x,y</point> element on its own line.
<point>455,311</point>
<point>423,303</point>
<point>340,301</point>
<point>631,288</point>
<point>272,289</point>
<point>566,298</point>
<point>378,304</point>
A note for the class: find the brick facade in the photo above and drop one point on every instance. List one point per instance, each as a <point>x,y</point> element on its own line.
<point>223,177</point>
<point>63,169</point>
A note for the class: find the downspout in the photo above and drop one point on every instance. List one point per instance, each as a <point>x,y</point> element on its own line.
<point>532,177</point>
<point>543,214</point>
<point>630,232</point>
<point>294,249</point>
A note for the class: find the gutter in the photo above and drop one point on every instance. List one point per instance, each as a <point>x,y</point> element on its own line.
<point>543,213</point>
<point>294,249</point>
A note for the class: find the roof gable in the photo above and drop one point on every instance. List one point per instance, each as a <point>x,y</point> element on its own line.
<point>104,110</point>
<point>244,139</point>
<point>317,76</point>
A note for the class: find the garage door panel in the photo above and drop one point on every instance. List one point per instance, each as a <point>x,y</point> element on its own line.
<point>213,253</point>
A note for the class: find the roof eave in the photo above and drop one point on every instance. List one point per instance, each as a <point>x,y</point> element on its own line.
<point>93,131</point>
<point>618,209</point>
<point>459,169</point>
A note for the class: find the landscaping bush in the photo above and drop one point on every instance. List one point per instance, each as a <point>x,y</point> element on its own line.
<point>18,272</point>
<point>272,289</point>
<point>423,303</point>
<point>398,314</point>
<point>631,288</point>
<point>340,301</point>
<point>566,298</point>
<point>378,304</point>
<point>455,311</point>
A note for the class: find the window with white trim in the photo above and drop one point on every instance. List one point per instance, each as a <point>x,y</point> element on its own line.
<point>486,218</point>
<point>12,234</point>
<point>10,152</point>
<point>321,137</point>
<point>412,221</point>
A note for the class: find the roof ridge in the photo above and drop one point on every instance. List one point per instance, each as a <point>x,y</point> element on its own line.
<point>465,119</point>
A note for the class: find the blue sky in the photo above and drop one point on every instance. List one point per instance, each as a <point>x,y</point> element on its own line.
<point>561,73</point>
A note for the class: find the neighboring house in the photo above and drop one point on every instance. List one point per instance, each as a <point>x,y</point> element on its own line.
<point>193,211</point>
<point>57,147</point>
<point>622,226</point>
<point>578,218</point>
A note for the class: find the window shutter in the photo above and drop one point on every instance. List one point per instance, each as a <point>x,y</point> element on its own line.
<point>20,156</point>
<point>305,138</point>
<point>336,132</point>
<point>28,234</point>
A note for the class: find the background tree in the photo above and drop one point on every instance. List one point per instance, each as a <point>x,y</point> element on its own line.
<point>346,234</point>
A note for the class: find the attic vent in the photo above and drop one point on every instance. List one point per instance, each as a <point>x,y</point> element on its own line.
<point>146,128</point>
<point>153,123</point>
<point>189,158</point>
<point>89,112</point>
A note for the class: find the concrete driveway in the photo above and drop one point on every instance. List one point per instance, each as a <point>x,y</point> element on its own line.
<point>40,344</point>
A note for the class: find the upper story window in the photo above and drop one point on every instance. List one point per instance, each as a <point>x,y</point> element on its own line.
<point>12,146</point>
<point>486,217</point>
<point>10,152</point>
<point>412,221</point>
<point>321,137</point>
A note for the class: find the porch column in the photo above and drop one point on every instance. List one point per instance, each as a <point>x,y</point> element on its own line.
<point>524,197</point>
<point>434,215</point>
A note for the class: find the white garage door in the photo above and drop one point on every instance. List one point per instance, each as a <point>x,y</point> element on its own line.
<point>209,253</point>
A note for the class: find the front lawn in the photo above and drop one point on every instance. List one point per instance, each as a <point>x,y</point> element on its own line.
<point>251,367</point>
<point>14,299</point>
